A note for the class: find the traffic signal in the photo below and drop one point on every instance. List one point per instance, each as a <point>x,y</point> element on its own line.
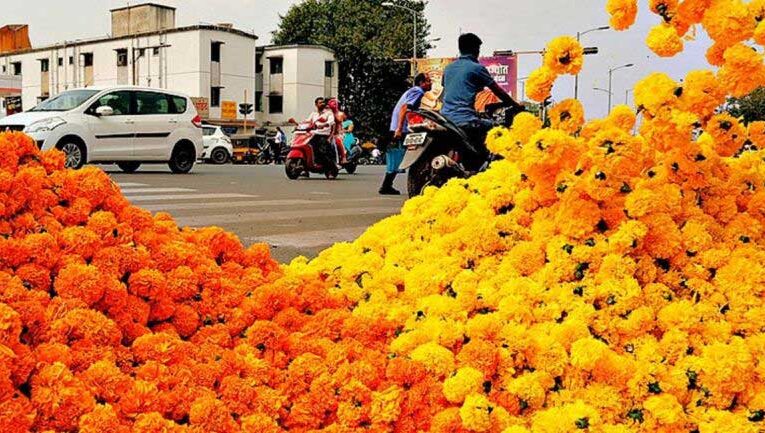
<point>245,109</point>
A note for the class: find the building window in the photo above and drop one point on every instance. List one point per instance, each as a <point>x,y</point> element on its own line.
<point>156,51</point>
<point>71,60</point>
<point>122,57</point>
<point>215,51</point>
<point>329,69</point>
<point>215,96</point>
<point>259,102</point>
<point>87,59</point>
<point>277,65</point>
<point>60,61</point>
<point>4,69</point>
<point>259,63</point>
<point>44,65</point>
<point>275,104</point>
<point>16,67</point>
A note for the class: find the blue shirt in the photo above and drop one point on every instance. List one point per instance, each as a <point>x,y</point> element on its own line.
<point>463,80</point>
<point>412,97</point>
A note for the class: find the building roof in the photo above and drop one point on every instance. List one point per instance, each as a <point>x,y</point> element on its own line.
<point>290,46</point>
<point>81,42</point>
<point>142,4</point>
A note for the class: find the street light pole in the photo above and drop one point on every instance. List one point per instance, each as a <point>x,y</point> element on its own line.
<point>579,39</point>
<point>627,96</point>
<point>414,32</point>
<point>610,81</point>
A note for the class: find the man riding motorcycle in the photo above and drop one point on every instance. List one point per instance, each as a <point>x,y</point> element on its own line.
<point>322,122</point>
<point>463,80</point>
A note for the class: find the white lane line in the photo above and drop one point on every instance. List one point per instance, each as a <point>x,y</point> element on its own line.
<point>310,239</point>
<point>264,203</point>
<point>320,193</point>
<point>129,191</point>
<point>142,198</point>
<point>130,184</point>
<point>249,217</point>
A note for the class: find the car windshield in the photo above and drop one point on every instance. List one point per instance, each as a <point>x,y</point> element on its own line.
<point>65,101</point>
<point>208,131</point>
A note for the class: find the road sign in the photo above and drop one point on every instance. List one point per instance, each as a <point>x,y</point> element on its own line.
<point>203,107</point>
<point>245,109</point>
<point>228,110</point>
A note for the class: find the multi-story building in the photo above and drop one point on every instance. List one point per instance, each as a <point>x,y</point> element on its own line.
<point>220,66</point>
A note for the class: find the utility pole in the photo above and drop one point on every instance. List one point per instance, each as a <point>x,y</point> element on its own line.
<point>610,80</point>
<point>578,39</point>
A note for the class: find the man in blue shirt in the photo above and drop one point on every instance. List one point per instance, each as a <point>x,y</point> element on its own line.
<point>410,100</point>
<point>463,80</point>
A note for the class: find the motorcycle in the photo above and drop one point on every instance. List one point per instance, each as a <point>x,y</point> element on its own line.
<point>303,158</point>
<point>353,157</point>
<point>438,150</point>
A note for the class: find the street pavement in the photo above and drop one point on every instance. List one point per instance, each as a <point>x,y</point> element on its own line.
<point>259,203</point>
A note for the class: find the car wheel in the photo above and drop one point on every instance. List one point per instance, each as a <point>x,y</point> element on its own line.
<point>183,158</point>
<point>74,153</point>
<point>219,156</point>
<point>129,166</point>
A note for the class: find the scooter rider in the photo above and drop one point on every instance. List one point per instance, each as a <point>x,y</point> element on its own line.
<point>323,123</point>
<point>463,80</point>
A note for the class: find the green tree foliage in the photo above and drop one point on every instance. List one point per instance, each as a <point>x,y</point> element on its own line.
<point>751,107</point>
<point>367,39</point>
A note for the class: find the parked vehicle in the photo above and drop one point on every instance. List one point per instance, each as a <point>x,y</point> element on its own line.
<point>303,160</point>
<point>438,150</point>
<point>217,145</point>
<point>124,125</point>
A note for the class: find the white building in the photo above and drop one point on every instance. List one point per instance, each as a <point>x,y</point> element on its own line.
<point>218,65</point>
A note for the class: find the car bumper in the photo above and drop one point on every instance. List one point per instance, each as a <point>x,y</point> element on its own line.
<point>43,139</point>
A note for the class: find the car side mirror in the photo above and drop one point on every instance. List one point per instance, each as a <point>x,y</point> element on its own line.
<point>104,110</point>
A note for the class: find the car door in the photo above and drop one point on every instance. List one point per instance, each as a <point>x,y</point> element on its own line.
<point>113,136</point>
<point>155,121</point>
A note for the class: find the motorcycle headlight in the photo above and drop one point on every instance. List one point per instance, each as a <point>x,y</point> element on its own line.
<point>45,125</point>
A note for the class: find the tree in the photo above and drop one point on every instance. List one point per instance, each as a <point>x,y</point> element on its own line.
<point>367,39</point>
<point>751,107</point>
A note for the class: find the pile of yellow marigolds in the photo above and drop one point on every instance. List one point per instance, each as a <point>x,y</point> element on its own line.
<point>595,280</point>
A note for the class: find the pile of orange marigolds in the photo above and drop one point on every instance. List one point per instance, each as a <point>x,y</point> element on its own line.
<point>595,280</point>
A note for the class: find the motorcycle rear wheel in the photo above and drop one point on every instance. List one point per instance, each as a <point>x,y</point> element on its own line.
<point>422,175</point>
<point>350,167</point>
<point>331,173</point>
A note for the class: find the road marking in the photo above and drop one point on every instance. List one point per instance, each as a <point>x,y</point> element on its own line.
<point>320,193</point>
<point>128,191</point>
<point>141,198</point>
<point>264,203</point>
<point>130,184</point>
<point>310,239</point>
<point>210,220</point>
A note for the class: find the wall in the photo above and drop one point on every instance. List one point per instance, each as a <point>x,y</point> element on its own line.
<point>302,81</point>
<point>141,19</point>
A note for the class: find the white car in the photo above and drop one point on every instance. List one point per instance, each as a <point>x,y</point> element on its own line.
<point>218,147</point>
<point>125,125</point>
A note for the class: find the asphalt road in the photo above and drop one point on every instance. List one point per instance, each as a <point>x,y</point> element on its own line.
<point>259,203</point>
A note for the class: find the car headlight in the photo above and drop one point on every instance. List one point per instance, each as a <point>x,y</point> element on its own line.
<point>45,125</point>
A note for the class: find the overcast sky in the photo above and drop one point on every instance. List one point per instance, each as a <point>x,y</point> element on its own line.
<point>503,24</point>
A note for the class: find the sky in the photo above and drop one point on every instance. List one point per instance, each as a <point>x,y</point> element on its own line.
<point>503,24</point>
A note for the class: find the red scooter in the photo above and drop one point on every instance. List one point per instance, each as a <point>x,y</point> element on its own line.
<point>303,159</point>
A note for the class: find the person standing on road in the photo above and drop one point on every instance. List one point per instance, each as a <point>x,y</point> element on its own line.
<point>463,80</point>
<point>279,142</point>
<point>394,153</point>
<point>323,123</point>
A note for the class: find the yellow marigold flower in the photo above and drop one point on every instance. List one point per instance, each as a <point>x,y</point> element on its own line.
<point>564,55</point>
<point>665,409</point>
<point>516,429</point>
<point>567,115</point>
<point>664,40</point>
<point>540,82</point>
<point>655,91</point>
<point>728,134</point>
<point>702,94</point>
<point>622,12</point>
<point>386,405</point>
<point>728,22</point>
<point>756,132</point>
<point>437,359</point>
<point>742,71</point>
<point>464,382</point>
<point>476,413</point>
<point>623,117</point>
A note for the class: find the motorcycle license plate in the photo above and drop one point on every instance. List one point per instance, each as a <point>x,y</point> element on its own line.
<point>413,141</point>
